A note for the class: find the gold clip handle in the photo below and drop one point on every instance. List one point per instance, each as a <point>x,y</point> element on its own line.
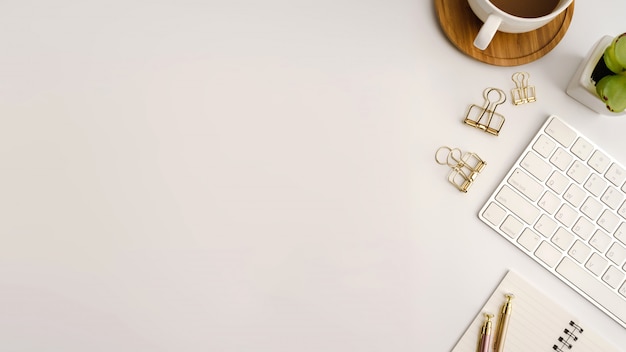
<point>465,167</point>
<point>488,120</point>
<point>522,93</point>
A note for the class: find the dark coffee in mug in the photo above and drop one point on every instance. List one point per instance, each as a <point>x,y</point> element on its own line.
<point>526,8</point>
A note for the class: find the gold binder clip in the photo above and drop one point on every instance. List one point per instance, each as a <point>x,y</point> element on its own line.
<point>486,117</point>
<point>465,167</point>
<point>522,93</point>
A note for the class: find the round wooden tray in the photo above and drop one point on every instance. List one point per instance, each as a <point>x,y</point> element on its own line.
<point>461,25</point>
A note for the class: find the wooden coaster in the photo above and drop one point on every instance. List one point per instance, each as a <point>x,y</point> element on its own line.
<point>461,25</point>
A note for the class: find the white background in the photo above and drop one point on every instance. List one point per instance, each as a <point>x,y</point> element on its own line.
<point>259,175</point>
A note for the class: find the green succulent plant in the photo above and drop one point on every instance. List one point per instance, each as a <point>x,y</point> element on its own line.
<point>612,90</point>
<point>612,87</point>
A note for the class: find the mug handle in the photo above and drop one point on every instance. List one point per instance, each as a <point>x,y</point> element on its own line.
<point>487,31</point>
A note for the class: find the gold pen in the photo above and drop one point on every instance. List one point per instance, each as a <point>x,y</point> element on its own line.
<point>505,315</point>
<point>485,334</point>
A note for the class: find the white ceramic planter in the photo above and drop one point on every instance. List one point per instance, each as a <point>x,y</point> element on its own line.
<point>582,88</point>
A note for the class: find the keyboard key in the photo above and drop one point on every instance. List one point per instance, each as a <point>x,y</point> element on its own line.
<point>574,195</point>
<point>557,182</point>
<point>591,208</point>
<point>561,132</point>
<point>578,172</point>
<point>529,240</point>
<point>620,233</point>
<point>599,161</point>
<point>526,184</point>
<point>563,239</point>
<point>561,159</point>
<point>593,288</point>
<point>582,148</point>
<point>595,184</point>
<point>608,221</point>
<point>612,198</point>
<point>596,264</point>
<point>512,227</point>
<point>544,146</point>
<point>579,251</point>
<point>494,214</point>
<point>517,204</point>
<point>566,215</point>
<point>622,289</point>
<point>549,202</point>
<point>613,277</point>
<point>545,226</point>
<point>536,166</point>
<point>622,210</point>
<point>600,241</point>
<point>617,254</point>
<point>584,228</point>
<point>616,175</point>
<point>548,254</point>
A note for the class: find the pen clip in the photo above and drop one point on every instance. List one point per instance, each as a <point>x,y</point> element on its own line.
<point>503,324</point>
<point>485,334</point>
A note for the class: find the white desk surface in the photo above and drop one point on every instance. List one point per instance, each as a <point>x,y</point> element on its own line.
<point>258,175</point>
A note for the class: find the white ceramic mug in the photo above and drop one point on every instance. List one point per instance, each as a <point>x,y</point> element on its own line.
<point>497,20</point>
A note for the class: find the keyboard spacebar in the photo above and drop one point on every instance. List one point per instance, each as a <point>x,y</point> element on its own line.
<point>594,288</point>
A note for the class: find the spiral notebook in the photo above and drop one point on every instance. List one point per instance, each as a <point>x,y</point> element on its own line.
<point>537,323</point>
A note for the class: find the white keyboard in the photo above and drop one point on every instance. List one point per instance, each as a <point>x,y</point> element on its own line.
<point>563,204</point>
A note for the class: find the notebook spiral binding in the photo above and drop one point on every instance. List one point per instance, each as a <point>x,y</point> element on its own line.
<point>571,336</point>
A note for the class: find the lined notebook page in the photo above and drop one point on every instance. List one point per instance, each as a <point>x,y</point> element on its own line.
<point>537,323</point>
